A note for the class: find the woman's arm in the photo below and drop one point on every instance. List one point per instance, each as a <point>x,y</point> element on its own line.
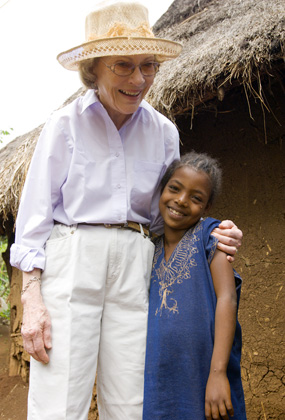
<point>36,326</point>
<point>218,395</point>
<point>230,238</point>
<point>41,193</point>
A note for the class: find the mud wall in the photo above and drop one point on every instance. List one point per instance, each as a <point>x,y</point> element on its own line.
<point>254,198</point>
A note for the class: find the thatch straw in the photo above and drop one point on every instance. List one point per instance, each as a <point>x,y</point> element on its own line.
<point>227,42</point>
<point>15,159</point>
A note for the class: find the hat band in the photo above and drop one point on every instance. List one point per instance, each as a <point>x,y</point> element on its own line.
<point>121,29</point>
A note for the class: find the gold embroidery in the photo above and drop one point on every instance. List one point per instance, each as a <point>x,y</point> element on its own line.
<point>177,269</point>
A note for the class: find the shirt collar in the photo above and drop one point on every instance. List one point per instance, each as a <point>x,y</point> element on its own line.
<point>89,99</point>
<point>145,105</point>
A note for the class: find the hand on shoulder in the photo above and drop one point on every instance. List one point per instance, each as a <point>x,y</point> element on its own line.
<point>229,237</point>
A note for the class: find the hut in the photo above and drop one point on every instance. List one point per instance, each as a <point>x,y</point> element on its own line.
<point>226,95</point>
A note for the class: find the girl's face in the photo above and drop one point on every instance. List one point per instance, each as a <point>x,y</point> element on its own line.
<point>184,199</point>
<point>121,96</point>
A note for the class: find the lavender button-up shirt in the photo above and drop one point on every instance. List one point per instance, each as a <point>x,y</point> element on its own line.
<point>85,170</point>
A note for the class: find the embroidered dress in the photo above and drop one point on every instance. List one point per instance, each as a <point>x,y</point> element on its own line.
<point>181,331</point>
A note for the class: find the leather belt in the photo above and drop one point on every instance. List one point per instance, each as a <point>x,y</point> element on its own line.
<point>128,225</point>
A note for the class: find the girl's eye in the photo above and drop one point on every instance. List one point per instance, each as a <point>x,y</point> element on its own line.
<point>173,188</point>
<point>198,199</point>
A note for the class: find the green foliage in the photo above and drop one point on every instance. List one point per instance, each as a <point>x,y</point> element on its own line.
<point>4,280</point>
<point>4,133</point>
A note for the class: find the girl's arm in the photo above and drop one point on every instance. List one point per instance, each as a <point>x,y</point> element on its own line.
<point>218,394</point>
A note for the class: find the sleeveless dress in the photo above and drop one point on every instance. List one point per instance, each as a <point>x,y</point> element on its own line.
<point>181,331</point>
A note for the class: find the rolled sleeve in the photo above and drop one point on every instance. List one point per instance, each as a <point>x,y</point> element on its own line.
<point>27,259</point>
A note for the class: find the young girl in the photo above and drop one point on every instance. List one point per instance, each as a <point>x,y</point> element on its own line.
<point>193,354</point>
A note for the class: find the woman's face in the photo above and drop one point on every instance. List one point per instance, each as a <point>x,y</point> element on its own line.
<point>122,95</point>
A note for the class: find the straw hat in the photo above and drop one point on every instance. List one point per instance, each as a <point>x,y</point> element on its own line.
<point>119,29</point>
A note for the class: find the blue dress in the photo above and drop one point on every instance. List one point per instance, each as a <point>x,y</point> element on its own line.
<point>181,331</point>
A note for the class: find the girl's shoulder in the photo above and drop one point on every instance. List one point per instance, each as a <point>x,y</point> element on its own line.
<point>201,235</point>
<point>204,227</point>
<point>210,222</point>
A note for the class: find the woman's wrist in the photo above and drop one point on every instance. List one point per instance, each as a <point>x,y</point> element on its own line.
<point>31,285</point>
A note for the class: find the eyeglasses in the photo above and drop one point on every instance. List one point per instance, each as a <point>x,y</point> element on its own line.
<point>124,68</point>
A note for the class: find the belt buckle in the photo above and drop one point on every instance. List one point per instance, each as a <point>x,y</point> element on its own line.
<point>108,225</point>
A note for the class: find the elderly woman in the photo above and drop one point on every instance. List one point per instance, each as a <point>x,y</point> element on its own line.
<point>83,227</point>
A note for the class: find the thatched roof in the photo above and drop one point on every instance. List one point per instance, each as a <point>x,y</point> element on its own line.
<point>225,43</point>
<point>14,160</point>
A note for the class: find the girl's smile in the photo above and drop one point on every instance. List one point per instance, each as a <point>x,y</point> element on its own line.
<point>176,213</point>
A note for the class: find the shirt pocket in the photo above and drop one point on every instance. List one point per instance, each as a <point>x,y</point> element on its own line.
<point>146,176</point>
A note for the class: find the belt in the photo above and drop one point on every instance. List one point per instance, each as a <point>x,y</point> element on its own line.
<point>128,225</point>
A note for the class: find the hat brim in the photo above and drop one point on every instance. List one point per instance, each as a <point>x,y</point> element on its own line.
<point>164,49</point>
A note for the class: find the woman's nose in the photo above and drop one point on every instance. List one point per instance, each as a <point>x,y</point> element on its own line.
<point>137,77</point>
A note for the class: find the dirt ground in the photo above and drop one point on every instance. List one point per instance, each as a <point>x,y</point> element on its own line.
<point>13,391</point>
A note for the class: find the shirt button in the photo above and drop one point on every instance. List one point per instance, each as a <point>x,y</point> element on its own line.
<point>118,186</point>
<point>117,154</point>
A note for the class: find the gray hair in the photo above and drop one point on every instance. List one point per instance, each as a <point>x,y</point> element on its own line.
<point>87,73</point>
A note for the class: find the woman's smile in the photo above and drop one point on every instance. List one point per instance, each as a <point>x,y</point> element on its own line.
<point>129,93</point>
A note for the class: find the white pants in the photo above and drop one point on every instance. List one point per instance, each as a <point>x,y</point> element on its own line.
<point>95,287</point>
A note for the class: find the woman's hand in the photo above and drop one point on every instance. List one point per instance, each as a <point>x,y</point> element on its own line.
<point>230,238</point>
<point>218,404</point>
<point>36,326</point>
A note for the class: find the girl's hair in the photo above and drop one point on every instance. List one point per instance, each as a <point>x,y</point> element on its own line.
<point>199,162</point>
<point>86,72</point>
